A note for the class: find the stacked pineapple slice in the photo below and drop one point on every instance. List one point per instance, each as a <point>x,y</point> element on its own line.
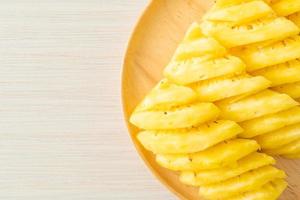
<point>269,44</point>
<point>188,122</point>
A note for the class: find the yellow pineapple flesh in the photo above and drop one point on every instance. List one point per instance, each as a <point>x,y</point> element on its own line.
<point>220,155</point>
<point>288,149</point>
<point>221,88</point>
<point>295,18</point>
<point>248,181</point>
<point>260,104</point>
<point>270,191</point>
<point>205,177</point>
<point>240,13</point>
<point>257,31</point>
<point>268,123</point>
<point>276,139</point>
<point>178,117</point>
<point>292,89</point>
<point>166,95</point>
<point>288,72</point>
<point>279,52</point>
<point>195,69</point>
<point>188,140</point>
<point>286,7</point>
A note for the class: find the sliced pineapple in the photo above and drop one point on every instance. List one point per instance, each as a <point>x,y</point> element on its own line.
<point>288,72</point>
<point>204,48</point>
<point>286,7</point>
<point>195,44</point>
<point>248,181</point>
<point>292,89</point>
<point>223,154</point>
<point>179,117</point>
<point>224,87</point>
<point>295,18</point>
<point>189,140</point>
<point>194,32</point>
<point>205,177</point>
<point>241,13</point>
<point>288,149</point>
<point>268,123</point>
<point>166,95</point>
<point>260,104</point>
<point>227,3</point>
<point>292,156</point>
<point>270,191</point>
<point>279,52</point>
<point>261,30</point>
<point>195,69</point>
<point>276,139</point>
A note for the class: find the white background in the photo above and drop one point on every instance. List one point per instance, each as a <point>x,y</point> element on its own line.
<point>62,135</point>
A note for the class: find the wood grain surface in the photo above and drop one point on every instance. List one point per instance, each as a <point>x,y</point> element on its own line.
<point>62,134</point>
<point>158,33</point>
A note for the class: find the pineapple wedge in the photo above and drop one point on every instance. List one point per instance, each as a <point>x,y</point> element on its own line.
<point>221,88</point>
<point>295,18</point>
<point>204,48</point>
<point>288,72</point>
<point>248,181</point>
<point>250,11</point>
<point>279,52</point>
<point>286,7</point>
<point>189,140</point>
<point>276,139</point>
<point>205,177</point>
<point>288,149</point>
<point>195,69</point>
<point>266,29</point>
<point>227,3</point>
<point>166,95</point>
<point>179,117</point>
<point>268,123</point>
<point>292,89</point>
<point>292,156</point>
<point>223,154</point>
<point>260,104</point>
<point>270,191</point>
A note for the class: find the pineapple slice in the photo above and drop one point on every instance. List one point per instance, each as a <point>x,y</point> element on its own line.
<point>279,52</point>
<point>195,44</point>
<point>194,32</point>
<point>292,89</point>
<point>224,87</point>
<point>205,177</point>
<point>204,48</point>
<point>241,13</point>
<point>179,117</point>
<point>190,140</point>
<point>288,72</point>
<point>269,191</point>
<point>291,148</point>
<point>195,69</point>
<point>286,7</point>
<point>295,18</point>
<point>292,156</point>
<point>276,139</point>
<point>261,30</point>
<point>166,95</point>
<point>248,181</point>
<point>223,154</point>
<point>227,3</point>
<point>270,122</point>
<point>260,104</point>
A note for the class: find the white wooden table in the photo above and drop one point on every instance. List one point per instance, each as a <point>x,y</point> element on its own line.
<point>62,135</point>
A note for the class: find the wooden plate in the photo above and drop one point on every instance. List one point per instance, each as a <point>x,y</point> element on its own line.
<point>153,41</point>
